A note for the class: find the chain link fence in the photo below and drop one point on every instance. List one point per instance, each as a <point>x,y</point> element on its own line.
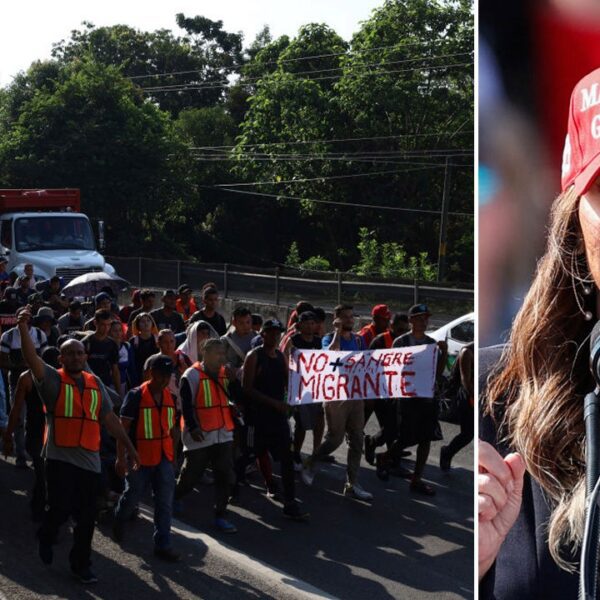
<point>280,285</point>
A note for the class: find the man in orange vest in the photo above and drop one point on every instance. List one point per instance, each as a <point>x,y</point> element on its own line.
<point>185,305</point>
<point>208,418</point>
<point>381,323</point>
<point>76,404</point>
<point>148,416</point>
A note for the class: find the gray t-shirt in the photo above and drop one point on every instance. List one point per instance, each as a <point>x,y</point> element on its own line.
<point>242,342</point>
<point>49,390</point>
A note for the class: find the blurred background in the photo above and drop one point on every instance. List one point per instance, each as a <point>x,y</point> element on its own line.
<point>531,54</point>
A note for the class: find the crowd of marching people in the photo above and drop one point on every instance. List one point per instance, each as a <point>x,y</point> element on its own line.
<point>109,402</point>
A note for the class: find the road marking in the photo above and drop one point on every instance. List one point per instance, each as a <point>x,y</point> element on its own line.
<point>257,568</point>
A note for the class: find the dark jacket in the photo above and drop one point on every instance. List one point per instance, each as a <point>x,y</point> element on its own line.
<point>524,568</point>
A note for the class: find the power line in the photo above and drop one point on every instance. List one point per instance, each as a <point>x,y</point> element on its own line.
<point>353,204</point>
<point>313,71</point>
<point>327,177</point>
<point>363,154</point>
<point>196,87</point>
<point>299,58</point>
<point>335,140</point>
<point>349,160</point>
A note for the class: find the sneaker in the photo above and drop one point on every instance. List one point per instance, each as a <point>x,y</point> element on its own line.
<point>369,450</point>
<point>118,530</point>
<point>355,491</point>
<point>381,467</point>
<point>293,511</point>
<point>273,492</point>
<point>85,575</point>
<point>167,554</point>
<point>445,460</point>
<point>225,526</point>
<point>418,486</point>
<point>46,553</point>
<point>308,474</point>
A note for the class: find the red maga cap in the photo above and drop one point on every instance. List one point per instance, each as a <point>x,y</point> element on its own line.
<point>581,156</point>
<point>381,310</point>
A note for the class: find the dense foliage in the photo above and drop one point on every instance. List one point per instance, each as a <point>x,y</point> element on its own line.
<point>313,150</point>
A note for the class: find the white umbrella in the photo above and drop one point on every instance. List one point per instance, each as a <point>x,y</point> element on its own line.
<point>90,284</point>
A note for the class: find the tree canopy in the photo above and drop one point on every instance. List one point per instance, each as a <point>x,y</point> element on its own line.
<point>333,152</point>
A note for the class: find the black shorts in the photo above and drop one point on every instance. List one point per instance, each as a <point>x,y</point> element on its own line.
<point>418,421</point>
<point>277,442</point>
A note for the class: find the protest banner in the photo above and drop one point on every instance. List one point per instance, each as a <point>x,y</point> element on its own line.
<point>324,375</point>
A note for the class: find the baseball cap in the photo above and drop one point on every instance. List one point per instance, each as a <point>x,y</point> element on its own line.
<point>381,310</point>
<point>182,289</point>
<point>102,296</point>
<point>168,293</point>
<point>418,309</point>
<point>581,154</point>
<point>75,305</point>
<point>272,324</point>
<point>308,315</point>
<point>45,312</point>
<point>159,362</point>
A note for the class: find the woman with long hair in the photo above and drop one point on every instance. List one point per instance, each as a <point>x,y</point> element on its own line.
<point>532,458</point>
<point>143,343</point>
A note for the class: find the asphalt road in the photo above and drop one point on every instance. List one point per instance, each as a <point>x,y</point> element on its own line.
<point>401,546</point>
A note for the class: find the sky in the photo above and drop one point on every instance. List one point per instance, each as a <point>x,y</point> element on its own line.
<point>28,28</point>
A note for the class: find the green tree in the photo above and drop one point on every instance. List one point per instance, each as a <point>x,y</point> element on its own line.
<point>93,130</point>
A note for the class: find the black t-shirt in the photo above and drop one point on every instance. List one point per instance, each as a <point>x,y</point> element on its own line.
<point>216,321</point>
<point>102,355</point>
<point>271,380</point>
<point>299,342</point>
<point>174,322</point>
<point>142,350</point>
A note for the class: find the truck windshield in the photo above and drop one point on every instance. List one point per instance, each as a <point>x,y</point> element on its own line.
<point>53,233</point>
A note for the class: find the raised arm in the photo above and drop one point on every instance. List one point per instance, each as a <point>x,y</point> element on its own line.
<point>34,362</point>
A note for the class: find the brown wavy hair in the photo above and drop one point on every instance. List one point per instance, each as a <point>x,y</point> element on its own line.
<point>536,394</point>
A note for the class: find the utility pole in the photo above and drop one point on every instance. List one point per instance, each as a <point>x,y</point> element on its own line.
<point>444,223</point>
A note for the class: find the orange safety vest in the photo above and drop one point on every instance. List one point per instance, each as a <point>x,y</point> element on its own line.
<point>76,423</point>
<point>388,339</point>
<point>212,403</point>
<point>188,311</point>
<point>154,424</point>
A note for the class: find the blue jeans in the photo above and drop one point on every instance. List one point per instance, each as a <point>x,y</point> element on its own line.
<point>162,479</point>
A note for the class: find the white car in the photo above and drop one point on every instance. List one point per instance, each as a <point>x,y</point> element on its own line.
<point>457,333</point>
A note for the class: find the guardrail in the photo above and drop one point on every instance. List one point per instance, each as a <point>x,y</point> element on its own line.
<point>280,283</point>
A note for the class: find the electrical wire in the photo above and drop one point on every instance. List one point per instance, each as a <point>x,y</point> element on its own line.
<point>334,202</point>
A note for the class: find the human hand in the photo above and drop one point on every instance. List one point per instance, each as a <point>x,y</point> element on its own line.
<point>500,490</point>
<point>133,459</point>
<point>120,468</point>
